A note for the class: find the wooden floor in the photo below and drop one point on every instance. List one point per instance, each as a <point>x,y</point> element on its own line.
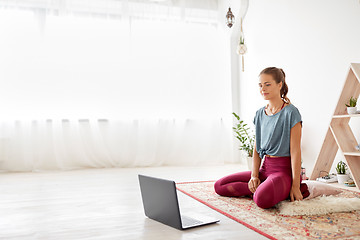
<point>102,204</point>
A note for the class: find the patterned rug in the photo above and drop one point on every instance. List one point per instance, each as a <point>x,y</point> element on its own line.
<point>270,223</point>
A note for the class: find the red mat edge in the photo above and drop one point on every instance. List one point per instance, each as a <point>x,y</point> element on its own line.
<point>222,212</point>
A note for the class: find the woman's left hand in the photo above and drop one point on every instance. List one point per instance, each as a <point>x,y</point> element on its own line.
<point>295,193</point>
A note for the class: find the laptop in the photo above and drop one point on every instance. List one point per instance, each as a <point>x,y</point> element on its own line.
<point>160,202</point>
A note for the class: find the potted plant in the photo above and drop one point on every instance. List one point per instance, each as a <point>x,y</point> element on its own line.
<point>341,172</point>
<point>351,107</point>
<point>246,138</point>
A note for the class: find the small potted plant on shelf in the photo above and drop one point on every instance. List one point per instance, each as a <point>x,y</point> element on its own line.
<point>246,138</point>
<point>351,107</point>
<point>357,147</point>
<point>341,172</point>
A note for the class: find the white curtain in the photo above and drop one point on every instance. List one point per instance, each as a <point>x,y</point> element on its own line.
<point>113,84</point>
<point>64,144</point>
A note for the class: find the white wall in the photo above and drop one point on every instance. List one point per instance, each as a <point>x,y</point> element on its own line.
<point>314,42</point>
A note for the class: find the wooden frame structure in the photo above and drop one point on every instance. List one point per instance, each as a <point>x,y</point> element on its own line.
<point>339,135</point>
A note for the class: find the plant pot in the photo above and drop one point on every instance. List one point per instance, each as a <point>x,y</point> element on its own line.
<point>249,162</point>
<point>241,49</point>
<point>351,110</point>
<point>342,178</point>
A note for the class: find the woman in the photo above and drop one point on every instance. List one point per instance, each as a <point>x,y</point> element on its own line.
<point>277,140</point>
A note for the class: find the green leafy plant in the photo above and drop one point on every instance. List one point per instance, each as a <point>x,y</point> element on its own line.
<point>341,167</point>
<point>242,40</point>
<point>352,102</point>
<point>245,136</point>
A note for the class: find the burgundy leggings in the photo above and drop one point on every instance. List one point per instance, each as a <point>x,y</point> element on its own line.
<point>275,176</point>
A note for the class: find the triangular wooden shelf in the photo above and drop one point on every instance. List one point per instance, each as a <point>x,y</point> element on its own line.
<point>339,134</point>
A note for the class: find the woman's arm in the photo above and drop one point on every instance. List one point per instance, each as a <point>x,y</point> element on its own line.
<point>256,163</point>
<point>295,152</point>
<point>255,181</point>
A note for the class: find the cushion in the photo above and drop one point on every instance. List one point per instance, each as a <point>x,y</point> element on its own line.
<point>317,188</point>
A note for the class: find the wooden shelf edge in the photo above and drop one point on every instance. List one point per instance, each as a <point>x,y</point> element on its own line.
<point>356,154</point>
<point>346,115</point>
<point>355,67</point>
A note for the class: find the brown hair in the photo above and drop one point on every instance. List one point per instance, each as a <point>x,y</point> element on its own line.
<point>279,76</point>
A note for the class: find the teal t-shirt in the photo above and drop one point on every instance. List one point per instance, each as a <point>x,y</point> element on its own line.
<point>273,132</point>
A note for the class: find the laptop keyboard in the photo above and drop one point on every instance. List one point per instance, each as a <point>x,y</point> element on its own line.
<point>188,221</point>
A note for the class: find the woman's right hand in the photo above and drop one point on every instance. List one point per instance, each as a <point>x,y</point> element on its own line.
<point>253,184</point>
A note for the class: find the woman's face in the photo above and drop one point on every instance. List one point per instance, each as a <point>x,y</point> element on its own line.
<point>269,89</point>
